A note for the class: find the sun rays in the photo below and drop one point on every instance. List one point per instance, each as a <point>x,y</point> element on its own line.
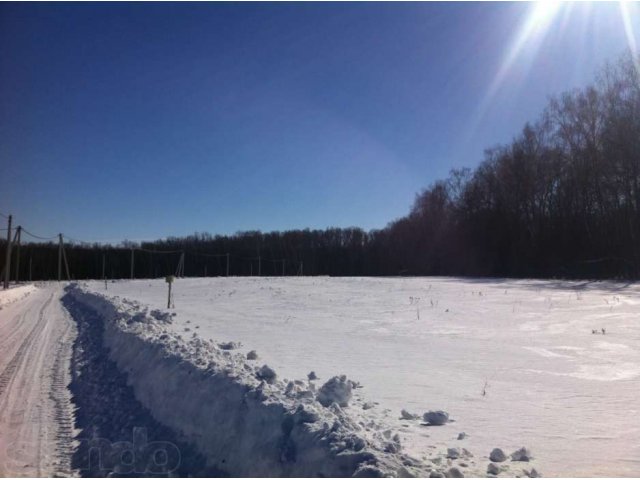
<point>543,19</point>
<point>630,14</point>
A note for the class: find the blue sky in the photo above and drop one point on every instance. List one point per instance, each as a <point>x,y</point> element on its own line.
<point>146,120</point>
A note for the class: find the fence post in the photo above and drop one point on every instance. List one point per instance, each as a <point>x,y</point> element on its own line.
<point>18,237</point>
<point>7,266</point>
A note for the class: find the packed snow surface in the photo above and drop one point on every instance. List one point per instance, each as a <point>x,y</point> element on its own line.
<point>15,293</point>
<point>36,416</point>
<point>514,363</point>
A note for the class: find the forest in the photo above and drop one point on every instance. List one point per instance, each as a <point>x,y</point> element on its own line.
<point>562,200</point>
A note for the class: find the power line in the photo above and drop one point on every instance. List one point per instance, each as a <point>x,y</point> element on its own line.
<point>156,251</point>
<point>213,255</point>
<point>37,236</point>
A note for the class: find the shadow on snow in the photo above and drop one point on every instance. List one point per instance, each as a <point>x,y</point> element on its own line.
<point>117,435</point>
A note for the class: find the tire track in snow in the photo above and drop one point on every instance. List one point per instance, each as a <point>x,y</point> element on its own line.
<point>8,374</point>
<point>35,409</point>
<point>60,396</point>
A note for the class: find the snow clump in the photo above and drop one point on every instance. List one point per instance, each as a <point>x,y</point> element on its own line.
<point>405,415</point>
<point>267,374</point>
<point>454,472</point>
<point>228,345</point>
<point>336,390</point>
<point>497,455</point>
<point>252,355</point>
<point>521,455</point>
<point>453,453</point>
<point>439,417</point>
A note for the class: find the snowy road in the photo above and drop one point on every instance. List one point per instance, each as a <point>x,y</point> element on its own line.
<point>36,421</point>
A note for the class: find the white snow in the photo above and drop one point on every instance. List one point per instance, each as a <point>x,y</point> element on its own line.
<point>514,363</point>
<point>15,293</point>
<point>36,417</point>
<point>244,420</point>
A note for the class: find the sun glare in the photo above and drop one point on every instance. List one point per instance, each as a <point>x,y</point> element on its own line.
<point>629,13</point>
<point>542,18</point>
<point>543,12</point>
<point>530,35</point>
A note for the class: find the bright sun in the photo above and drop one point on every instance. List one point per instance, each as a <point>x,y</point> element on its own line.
<point>543,12</point>
<point>543,17</point>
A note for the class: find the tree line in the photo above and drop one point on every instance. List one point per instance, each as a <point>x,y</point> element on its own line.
<point>561,200</point>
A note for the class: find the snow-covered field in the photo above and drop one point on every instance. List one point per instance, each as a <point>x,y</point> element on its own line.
<point>548,365</point>
<point>515,363</point>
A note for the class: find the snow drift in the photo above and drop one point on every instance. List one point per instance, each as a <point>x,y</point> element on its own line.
<point>223,403</point>
<point>15,293</point>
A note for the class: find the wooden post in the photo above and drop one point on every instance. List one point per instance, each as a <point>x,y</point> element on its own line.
<point>227,264</point>
<point>7,265</point>
<point>66,264</point>
<point>59,256</point>
<point>132,260</point>
<point>180,267</point>
<point>16,240</point>
<point>169,279</point>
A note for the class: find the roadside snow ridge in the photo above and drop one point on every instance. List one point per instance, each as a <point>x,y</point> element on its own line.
<point>239,414</point>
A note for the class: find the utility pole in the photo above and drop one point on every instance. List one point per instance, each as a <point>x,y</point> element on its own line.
<point>259,265</point>
<point>283,267</point>
<point>180,267</point>
<point>227,264</point>
<point>301,271</point>
<point>132,264</point>
<point>18,236</point>
<point>59,256</point>
<point>103,264</point>
<point>66,264</point>
<point>7,265</point>
<point>30,263</point>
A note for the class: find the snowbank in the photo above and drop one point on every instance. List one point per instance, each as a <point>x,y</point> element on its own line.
<point>242,424</point>
<point>15,293</point>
